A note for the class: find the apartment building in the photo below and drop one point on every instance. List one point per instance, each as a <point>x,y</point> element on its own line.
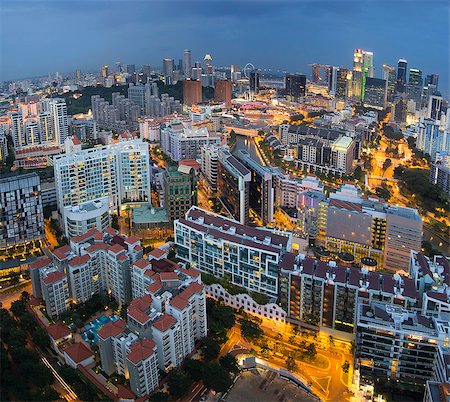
<point>181,140</point>
<point>394,343</point>
<point>142,365</point>
<point>54,289</point>
<point>93,262</point>
<point>288,188</point>
<point>209,155</point>
<point>119,171</point>
<point>233,186</point>
<point>21,215</point>
<point>246,256</point>
<point>327,295</point>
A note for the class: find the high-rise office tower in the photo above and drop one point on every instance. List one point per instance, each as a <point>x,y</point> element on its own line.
<point>208,62</point>
<point>235,72</point>
<point>197,73</point>
<point>315,73</point>
<point>343,81</point>
<point>368,70</point>
<point>434,107</point>
<point>401,75</point>
<point>432,79</point>
<point>58,112</point>
<point>358,73</point>
<point>131,68</point>
<point>375,93</point>
<point>332,81</point>
<point>390,78</point>
<point>254,80</point>
<point>105,71</point>
<point>168,67</point>
<point>415,77</point>
<point>78,74</point>
<point>147,70</point>
<point>187,64</point>
<point>295,86</point>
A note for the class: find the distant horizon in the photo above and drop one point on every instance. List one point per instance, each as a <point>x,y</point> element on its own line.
<point>285,36</point>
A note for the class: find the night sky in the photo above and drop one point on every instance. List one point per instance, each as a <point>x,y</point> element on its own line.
<point>38,37</point>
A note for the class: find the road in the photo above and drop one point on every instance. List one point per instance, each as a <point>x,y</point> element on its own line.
<point>9,296</point>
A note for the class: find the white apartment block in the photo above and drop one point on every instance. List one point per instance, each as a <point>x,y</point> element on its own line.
<point>245,255</point>
<point>94,261</point>
<point>119,171</point>
<point>181,142</point>
<point>55,292</point>
<point>209,158</point>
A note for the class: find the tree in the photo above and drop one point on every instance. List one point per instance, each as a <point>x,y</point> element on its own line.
<point>229,363</point>
<point>179,383</point>
<point>250,330</point>
<point>90,336</point>
<point>27,322</point>
<point>311,351</point>
<point>210,348</point>
<point>24,296</point>
<point>291,365</point>
<point>357,173</point>
<point>194,368</point>
<point>386,164</point>
<point>115,222</point>
<point>345,366</point>
<point>216,377</point>
<point>18,308</point>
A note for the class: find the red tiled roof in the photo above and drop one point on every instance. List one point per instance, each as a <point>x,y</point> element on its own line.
<point>438,296</point>
<point>180,301</point>
<point>79,260</point>
<point>168,276</point>
<point>75,140</point>
<point>112,329</point>
<point>125,393</point>
<point>191,163</point>
<point>132,239</point>
<point>157,253</point>
<point>122,257</point>
<point>137,247</point>
<point>192,272</point>
<point>97,246</point>
<point>116,249</point>
<point>58,330</point>
<point>138,308</point>
<point>141,350</point>
<point>40,262</point>
<point>110,231</point>
<point>288,261</point>
<point>62,252</point>
<point>82,237</point>
<point>142,263</point>
<point>98,236</point>
<point>164,322</point>
<point>155,286</point>
<point>54,277</point>
<point>78,352</point>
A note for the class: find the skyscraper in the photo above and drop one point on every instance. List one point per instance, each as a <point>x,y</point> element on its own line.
<point>187,64</point>
<point>315,73</point>
<point>222,92</point>
<point>192,92</point>
<point>17,129</point>
<point>131,68</point>
<point>415,77</point>
<point>295,86</point>
<point>254,80</point>
<point>105,71</point>
<point>368,70</point>
<point>401,75</point>
<point>389,76</point>
<point>375,93</point>
<point>147,70</point>
<point>168,67</point>
<point>332,81</point>
<point>358,73</point>
<point>343,78</point>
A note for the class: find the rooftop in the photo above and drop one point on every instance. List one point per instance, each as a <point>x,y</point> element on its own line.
<point>78,352</point>
<point>141,350</point>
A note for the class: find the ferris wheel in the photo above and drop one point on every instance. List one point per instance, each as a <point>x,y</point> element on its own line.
<point>247,69</point>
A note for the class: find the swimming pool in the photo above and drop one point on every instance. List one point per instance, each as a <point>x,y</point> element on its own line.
<point>95,325</point>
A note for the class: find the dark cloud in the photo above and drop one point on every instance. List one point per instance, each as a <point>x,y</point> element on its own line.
<point>37,37</point>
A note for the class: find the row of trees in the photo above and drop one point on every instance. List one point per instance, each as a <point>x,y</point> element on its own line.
<point>17,361</point>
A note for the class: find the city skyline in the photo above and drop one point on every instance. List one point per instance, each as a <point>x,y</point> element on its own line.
<point>231,32</point>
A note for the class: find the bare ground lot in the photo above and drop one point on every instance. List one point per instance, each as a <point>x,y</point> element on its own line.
<point>265,386</point>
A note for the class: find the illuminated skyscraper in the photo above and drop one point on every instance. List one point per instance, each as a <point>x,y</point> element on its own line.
<point>105,71</point>
<point>295,86</point>
<point>358,73</point>
<point>316,73</point>
<point>415,77</point>
<point>389,76</point>
<point>254,80</point>
<point>332,80</point>
<point>343,82</point>
<point>375,93</point>
<point>401,75</point>
<point>187,64</point>
<point>368,70</point>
